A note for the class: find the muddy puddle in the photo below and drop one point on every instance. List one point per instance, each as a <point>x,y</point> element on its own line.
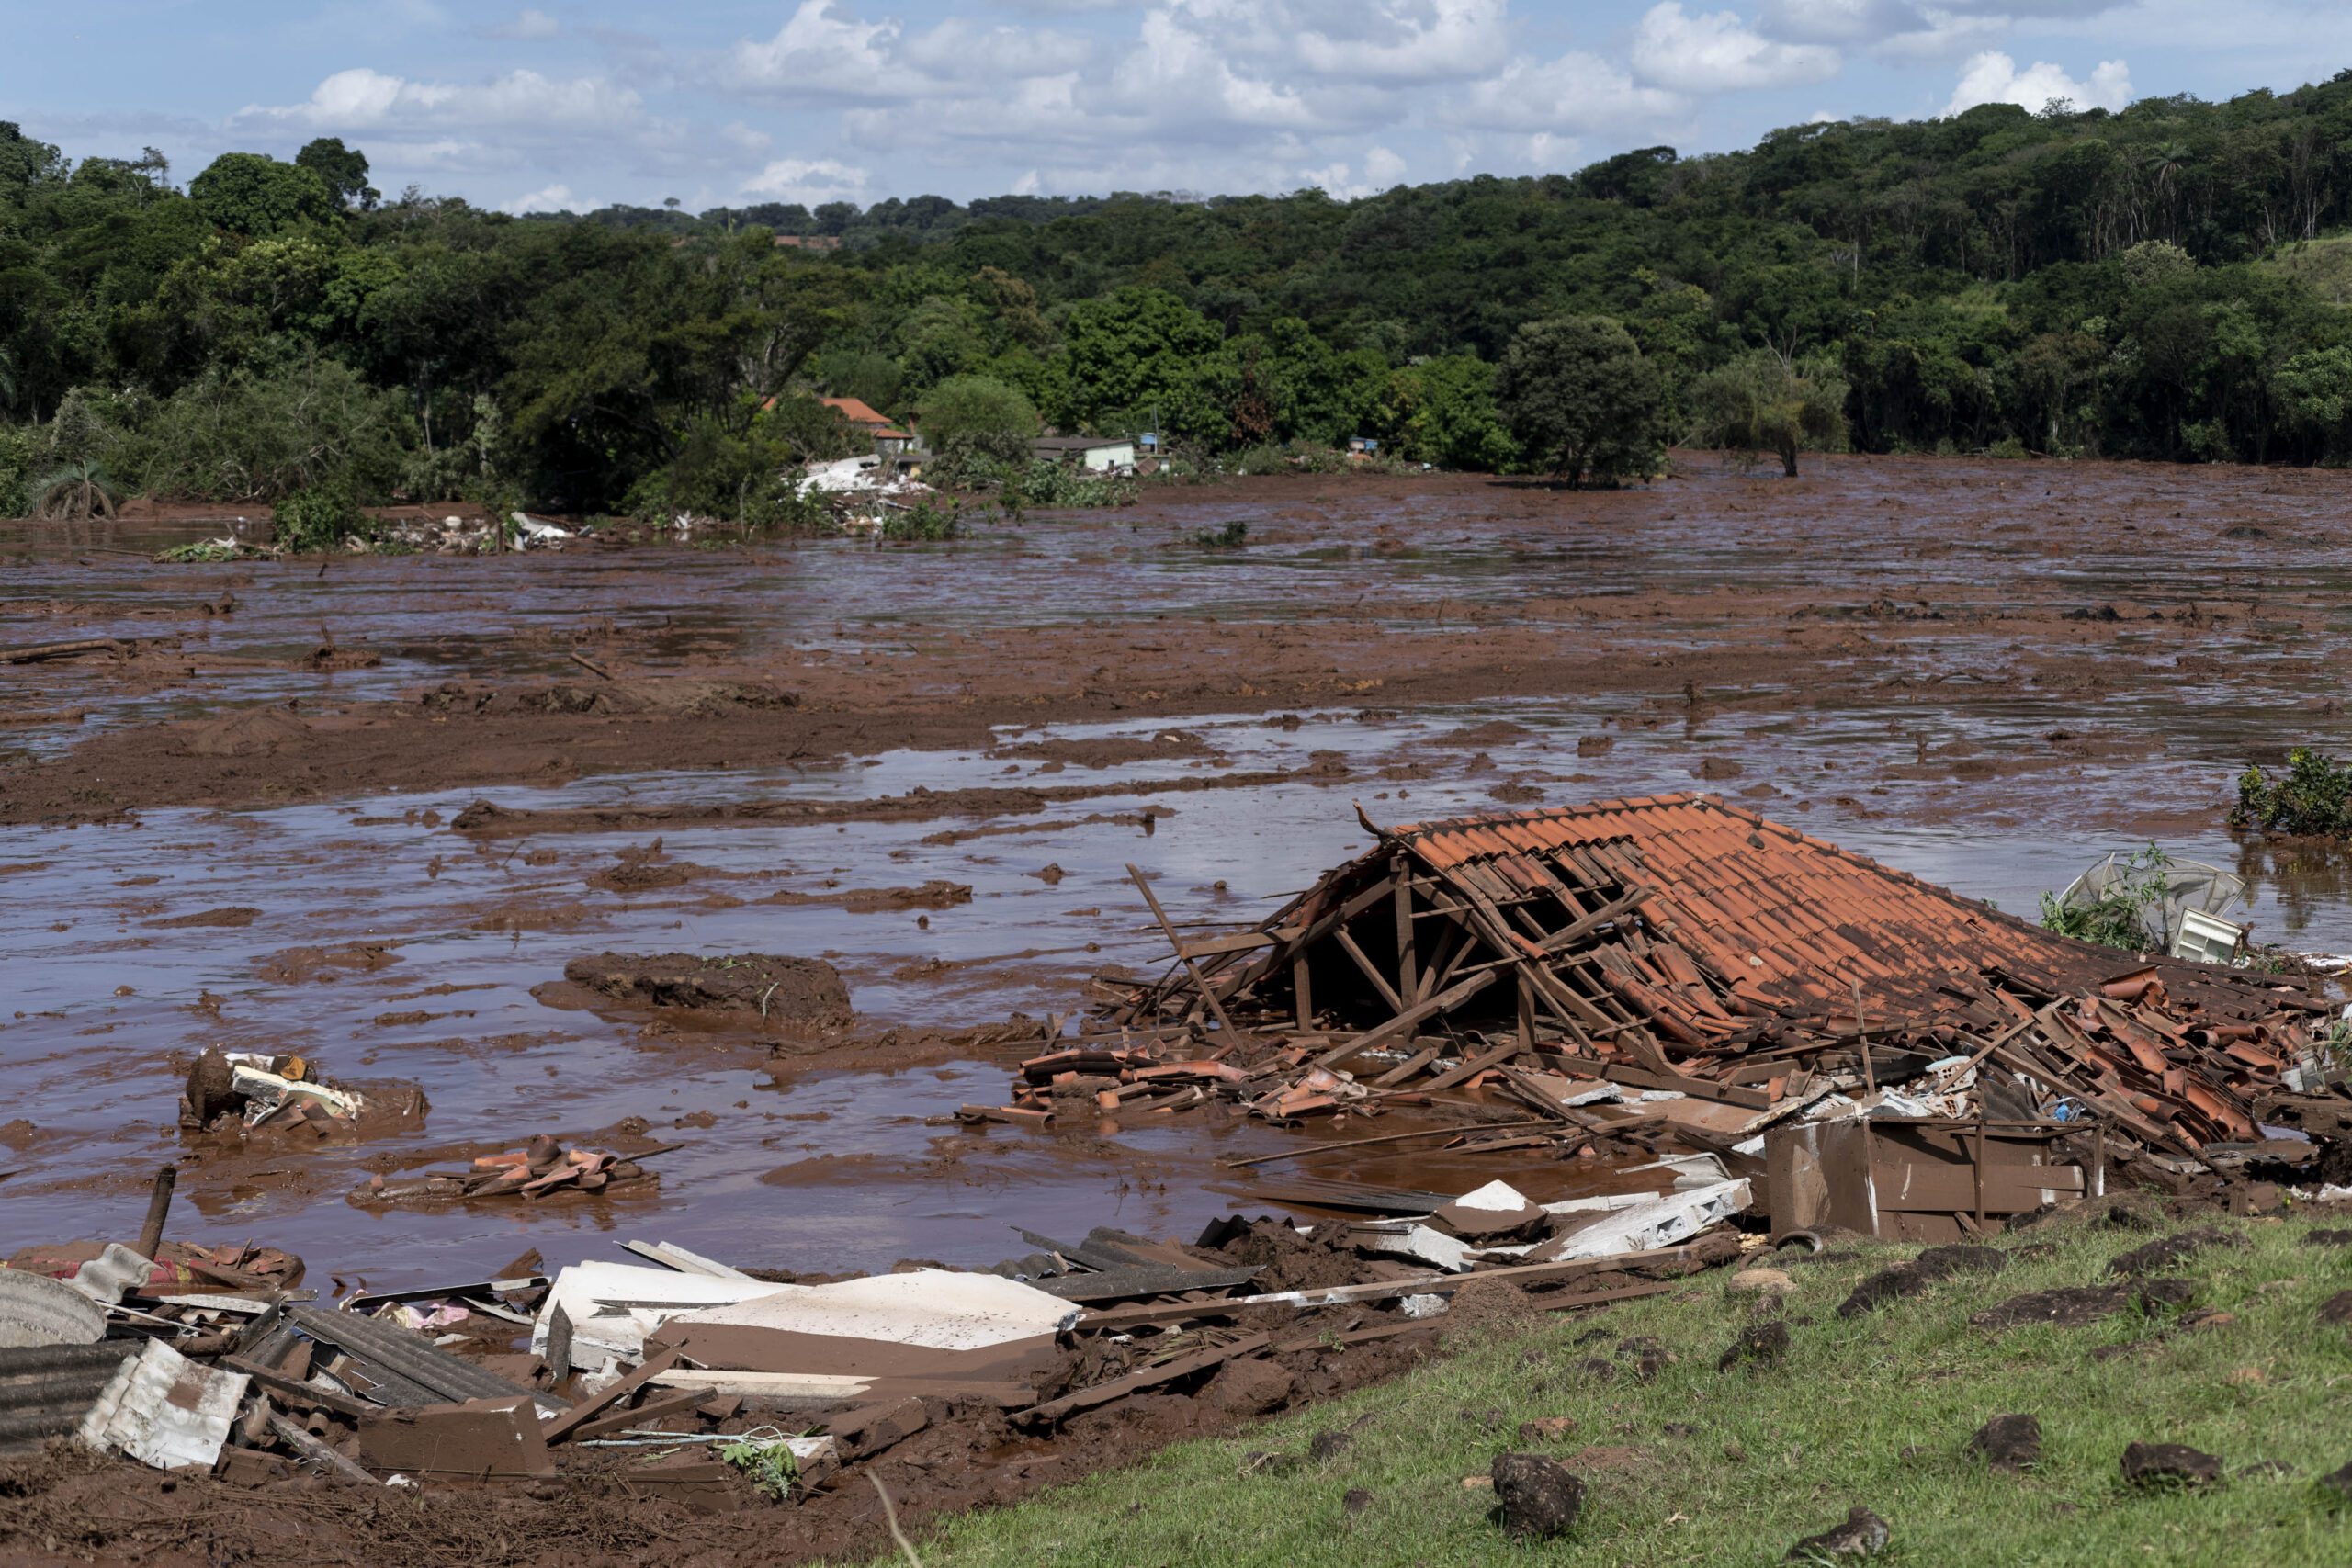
<point>1986,674</point>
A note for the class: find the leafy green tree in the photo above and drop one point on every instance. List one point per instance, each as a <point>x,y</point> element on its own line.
<point>1762,402</point>
<point>977,416</point>
<point>1135,347</point>
<point>342,170</point>
<point>1443,410</point>
<point>1581,400</point>
<point>254,194</point>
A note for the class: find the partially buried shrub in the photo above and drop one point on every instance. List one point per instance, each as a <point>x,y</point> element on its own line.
<point>323,517</point>
<point>2314,798</point>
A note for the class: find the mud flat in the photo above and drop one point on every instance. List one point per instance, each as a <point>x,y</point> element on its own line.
<point>376,811</point>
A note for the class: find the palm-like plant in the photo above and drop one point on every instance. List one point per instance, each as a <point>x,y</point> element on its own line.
<point>76,491</point>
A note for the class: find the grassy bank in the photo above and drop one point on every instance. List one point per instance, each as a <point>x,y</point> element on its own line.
<point>1876,1409</point>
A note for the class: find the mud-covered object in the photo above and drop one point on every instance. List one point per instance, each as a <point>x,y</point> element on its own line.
<point>775,986</point>
<point>1914,1278</point>
<point>1766,1344</point>
<point>2161,1255</point>
<point>1537,1497</point>
<point>1290,1261</point>
<point>2072,1306</point>
<point>1863,1534</point>
<point>2009,1442</point>
<point>2169,1464</point>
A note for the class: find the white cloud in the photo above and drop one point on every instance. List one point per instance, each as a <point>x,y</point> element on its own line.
<point>1992,77</point>
<point>550,198</point>
<point>1408,40</point>
<point>528,26</point>
<point>1718,52</point>
<point>809,181</point>
<point>1576,93</point>
<point>362,99</point>
<point>1382,170</point>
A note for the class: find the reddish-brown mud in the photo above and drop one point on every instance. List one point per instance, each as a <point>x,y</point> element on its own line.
<point>373,811</point>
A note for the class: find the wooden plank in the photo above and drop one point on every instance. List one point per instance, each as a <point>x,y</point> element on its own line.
<point>1698,1089</point>
<point>1922,1186</point>
<point>1380,982</point>
<point>1207,992</point>
<point>1134,1383</point>
<point>563,1426</point>
<point>296,1395</point>
<point>1406,1068</point>
<point>644,1416</point>
<point>1462,1072</point>
<point>1444,1002</point>
<point>1240,941</point>
<point>1408,984</point>
<point>1419,1285</point>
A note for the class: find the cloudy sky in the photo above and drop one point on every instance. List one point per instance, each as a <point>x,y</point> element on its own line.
<point>575,102</point>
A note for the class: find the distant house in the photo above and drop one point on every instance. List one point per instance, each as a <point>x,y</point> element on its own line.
<point>1093,451</point>
<point>1362,448</point>
<point>890,440</point>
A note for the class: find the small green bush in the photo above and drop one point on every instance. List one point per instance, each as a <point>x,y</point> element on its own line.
<point>1232,536</point>
<point>2118,917</point>
<point>922,523</point>
<point>323,517</point>
<point>2007,447</point>
<point>2313,800</point>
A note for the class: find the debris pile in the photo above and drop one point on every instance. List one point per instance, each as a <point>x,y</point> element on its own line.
<point>542,1169</point>
<point>861,491</point>
<point>1679,970</point>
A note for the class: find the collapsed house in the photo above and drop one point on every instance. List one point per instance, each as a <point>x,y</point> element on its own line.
<point>1682,946</point>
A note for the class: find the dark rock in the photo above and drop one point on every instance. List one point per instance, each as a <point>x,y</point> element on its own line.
<point>2338,1482</point>
<point>2129,1217</point>
<point>1914,1278</point>
<point>2337,1308</point>
<point>1595,1368</point>
<point>2072,1306</point>
<point>2172,1249</point>
<point>1863,1534</point>
<point>1766,1343</point>
<point>1539,1496</point>
<point>1329,1445</point>
<point>2009,1442</point>
<point>2327,1238</point>
<point>1357,1500</point>
<point>2153,1295</point>
<point>2169,1464</point>
<point>1647,1366</point>
<point>1944,1262</point>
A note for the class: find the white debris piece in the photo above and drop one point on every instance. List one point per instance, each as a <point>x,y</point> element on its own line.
<point>612,1306</point>
<point>164,1410</point>
<point>114,1271</point>
<point>862,488</point>
<point>1661,1222</point>
<point>37,1310</point>
<point>934,1308</point>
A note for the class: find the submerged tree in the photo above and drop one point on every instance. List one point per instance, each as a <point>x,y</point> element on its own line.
<point>1765,402</point>
<point>1581,400</point>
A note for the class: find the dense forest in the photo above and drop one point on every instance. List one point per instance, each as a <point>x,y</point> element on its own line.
<point>2160,282</point>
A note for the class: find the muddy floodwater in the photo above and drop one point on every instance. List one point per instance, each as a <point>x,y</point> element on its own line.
<point>238,825</point>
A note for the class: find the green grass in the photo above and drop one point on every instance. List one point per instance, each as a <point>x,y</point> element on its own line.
<point>1875,1410</point>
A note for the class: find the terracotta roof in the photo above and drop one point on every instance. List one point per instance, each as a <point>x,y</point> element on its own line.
<point>855,411</point>
<point>1781,918</point>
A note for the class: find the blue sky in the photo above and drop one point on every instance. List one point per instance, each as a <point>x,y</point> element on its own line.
<point>575,102</point>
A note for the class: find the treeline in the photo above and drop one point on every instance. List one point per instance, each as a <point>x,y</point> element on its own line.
<point>2160,282</point>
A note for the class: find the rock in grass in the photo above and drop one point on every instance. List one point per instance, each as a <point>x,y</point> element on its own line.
<point>1329,1445</point>
<point>2327,1238</point>
<point>2009,1442</point>
<point>2169,1464</point>
<point>2337,1483</point>
<point>1357,1500</point>
<point>1540,1497</point>
<point>1914,1278</point>
<point>2337,1308</point>
<point>1767,1344</point>
<point>1863,1534</point>
<point>2172,1249</point>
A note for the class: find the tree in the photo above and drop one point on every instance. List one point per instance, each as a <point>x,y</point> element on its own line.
<point>1581,400</point>
<point>979,416</point>
<point>342,170</point>
<point>1135,347</point>
<point>1762,402</point>
<point>254,194</point>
